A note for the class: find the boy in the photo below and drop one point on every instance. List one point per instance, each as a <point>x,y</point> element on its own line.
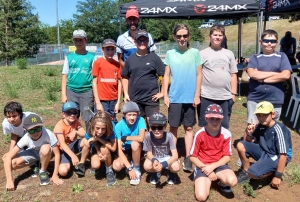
<point>211,151</point>
<point>107,85</point>
<point>139,77</point>
<point>130,133</point>
<point>66,131</point>
<point>77,75</point>
<point>273,150</point>
<point>161,150</point>
<point>13,122</point>
<point>40,142</point>
<point>219,83</point>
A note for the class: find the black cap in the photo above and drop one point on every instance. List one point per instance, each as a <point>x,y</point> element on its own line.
<point>109,42</point>
<point>32,121</point>
<point>158,118</point>
<point>141,33</point>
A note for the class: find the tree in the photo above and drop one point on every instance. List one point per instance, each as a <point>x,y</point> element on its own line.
<point>20,35</point>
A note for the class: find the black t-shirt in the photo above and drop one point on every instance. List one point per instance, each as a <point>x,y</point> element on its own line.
<point>142,73</point>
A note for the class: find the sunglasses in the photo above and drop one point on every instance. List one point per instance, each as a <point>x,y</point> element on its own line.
<point>269,40</point>
<point>69,113</point>
<point>142,41</point>
<point>154,128</point>
<point>34,130</point>
<point>184,36</point>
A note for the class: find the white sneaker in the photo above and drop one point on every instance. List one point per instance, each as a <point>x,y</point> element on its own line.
<point>138,179</point>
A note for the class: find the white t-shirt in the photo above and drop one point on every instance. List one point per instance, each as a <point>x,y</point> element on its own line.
<point>9,128</point>
<point>47,137</point>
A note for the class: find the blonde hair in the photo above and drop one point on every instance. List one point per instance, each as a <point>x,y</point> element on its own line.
<point>104,118</point>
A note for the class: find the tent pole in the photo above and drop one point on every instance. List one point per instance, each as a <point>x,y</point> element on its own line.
<point>239,40</point>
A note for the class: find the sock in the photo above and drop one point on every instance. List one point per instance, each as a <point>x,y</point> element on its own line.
<point>109,169</point>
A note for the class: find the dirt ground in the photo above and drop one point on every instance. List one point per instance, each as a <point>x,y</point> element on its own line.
<point>95,189</point>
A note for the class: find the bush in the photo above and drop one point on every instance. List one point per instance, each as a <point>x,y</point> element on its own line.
<point>52,88</point>
<point>294,173</point>
<point>11,90</point>
<point>22,63</point>
<point>50,72</point>
<point>35,81</point>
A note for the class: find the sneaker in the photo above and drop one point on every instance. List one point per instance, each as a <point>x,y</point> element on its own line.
<point>171,178</point>
<point>242,176</point>
<point>93,171</point>
<point>110,179</point>
<point>239,163</point>
<point>138,179</point>
<point>44,178</point>
<point>224,188</point>
<point>187,165</point>
<point>80,169</point>
<point>36,171</point>
<point>155,178</point>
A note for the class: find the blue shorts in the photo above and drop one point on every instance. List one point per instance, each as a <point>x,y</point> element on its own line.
<point>30,156</point>
<point>75,147</point>
<point>264,164</point>
<point>198,172</point>
<point>109,106</point>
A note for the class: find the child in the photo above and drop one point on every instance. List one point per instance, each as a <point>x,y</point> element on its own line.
<point>40,142</point>
<point>77,75</point>
<point>13,122</point>
<point>140,76</point>
<point>161,150</point>
<point>107,85</point>
<point>211,153</point>
<point>184,64</point>
<point>130,133</point>
<point>219,83</point>
<point>273,150</point>
<point>66,131</point>
<point>102,136</point>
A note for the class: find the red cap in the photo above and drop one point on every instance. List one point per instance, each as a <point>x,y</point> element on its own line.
<point>132,12</point>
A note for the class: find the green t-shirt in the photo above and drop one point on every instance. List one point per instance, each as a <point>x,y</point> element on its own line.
<point>79,70</point>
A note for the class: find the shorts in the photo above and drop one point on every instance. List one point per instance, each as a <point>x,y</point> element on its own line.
<point>75,147</point>
<point>85,99</point>
<point>264,164</point>
<point>198,172</point>
<point>251,106</point>
<point>226,105</point>
<point>147,110</point>
<point>30,156</point>
<point>93,151</point>
<point>179,113</point>
<point>109,106</point>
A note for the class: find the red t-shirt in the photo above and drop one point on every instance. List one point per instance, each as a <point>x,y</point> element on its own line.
<point>108,74</point>
<point>209,149</point>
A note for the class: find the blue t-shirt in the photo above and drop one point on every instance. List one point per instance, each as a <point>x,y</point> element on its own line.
<point>122,129</point>
<point>183,68</point>
<point>275,140</point>
<point>272,92</point>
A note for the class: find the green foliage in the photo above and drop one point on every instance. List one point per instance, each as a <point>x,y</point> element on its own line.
<point>52,88</point>
<point>77,188</point>
<point>11,90</point>
<point>294,173</point>
<point>35,81</point>
<point>22,63</point>
<point>248,189</point>
<point>50,72</point>
<point>7,139</point>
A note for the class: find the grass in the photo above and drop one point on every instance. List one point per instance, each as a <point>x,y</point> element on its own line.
<point>293,173</point>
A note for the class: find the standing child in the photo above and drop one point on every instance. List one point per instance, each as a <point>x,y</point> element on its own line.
<point>77,78</point>
<point>273,150</point>
<point>140,77</point>
<point>40,142</point>
<point>130,133</point>
<point>66,131</point>
<point>161,150</point>
<point>184,64</point>
<point>101,134</point>
<point>107,85</point>
<point>211,153</point>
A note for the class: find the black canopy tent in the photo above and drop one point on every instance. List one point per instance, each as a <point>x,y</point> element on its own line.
<point>282,7</point>
<point>196,9</point>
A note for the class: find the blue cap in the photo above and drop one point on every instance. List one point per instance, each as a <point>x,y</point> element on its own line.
<point>69,105</point>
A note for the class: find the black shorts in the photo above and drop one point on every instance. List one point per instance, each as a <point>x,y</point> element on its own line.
<point>184,114</point>
<point>147,109</point>
<point>198,172</point>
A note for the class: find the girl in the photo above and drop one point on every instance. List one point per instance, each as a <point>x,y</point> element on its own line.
<point>184,64</point>
<point>102,136</point>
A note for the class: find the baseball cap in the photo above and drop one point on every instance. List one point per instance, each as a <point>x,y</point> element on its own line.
<point>141,33</point>
<point>214,111</point>
<point>69,105</point>
<point>32,121</point>
<point>130,107</point>
<point>157,118</point>
<point>79,33</point>
<point>264,107</point>
<point>132,12</point>
<point>109,42</point>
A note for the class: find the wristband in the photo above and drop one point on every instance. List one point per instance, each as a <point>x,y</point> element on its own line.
<point>164,164</point>
<point>154,159</point>
<point>278,174</point>
<point>123,138</point>
<point>234,94</point>
<point>249,135</point>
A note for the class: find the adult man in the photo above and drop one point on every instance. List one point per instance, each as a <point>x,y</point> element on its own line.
<point>288,46</point>
<point>125,42</point>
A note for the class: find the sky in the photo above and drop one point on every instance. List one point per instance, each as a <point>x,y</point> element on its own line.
<point>47,10</point>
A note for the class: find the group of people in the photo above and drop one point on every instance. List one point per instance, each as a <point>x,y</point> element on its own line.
<point>202,82</point>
